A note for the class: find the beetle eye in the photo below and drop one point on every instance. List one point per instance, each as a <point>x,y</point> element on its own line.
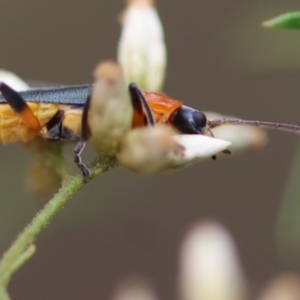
<point>199,119</point>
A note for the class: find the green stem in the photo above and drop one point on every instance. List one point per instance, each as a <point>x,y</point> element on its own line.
<point>21,260</point>
<point>22,248</point>
<point>3,294</point>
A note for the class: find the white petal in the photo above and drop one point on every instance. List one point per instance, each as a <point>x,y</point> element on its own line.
<point>142,51</point>
<point>198,147</point>
<point>210,268</point>
<point>157,150</point>
<point>242,137</point>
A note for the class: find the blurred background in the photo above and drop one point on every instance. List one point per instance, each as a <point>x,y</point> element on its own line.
<point>219,59</point>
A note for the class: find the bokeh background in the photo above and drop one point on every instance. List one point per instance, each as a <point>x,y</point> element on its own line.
<point>219,59</point>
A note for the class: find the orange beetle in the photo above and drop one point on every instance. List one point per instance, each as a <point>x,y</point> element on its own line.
<point>61,114</point>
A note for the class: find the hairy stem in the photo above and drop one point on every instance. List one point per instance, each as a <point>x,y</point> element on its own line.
<point>3,294</point>
<point>22,248</point>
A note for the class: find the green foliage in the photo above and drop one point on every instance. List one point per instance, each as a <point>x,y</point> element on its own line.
<point>286,21</point>
<point>288,223</point>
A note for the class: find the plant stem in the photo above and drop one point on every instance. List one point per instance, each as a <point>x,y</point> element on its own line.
<point>3,294</point>
<point>22,248</point>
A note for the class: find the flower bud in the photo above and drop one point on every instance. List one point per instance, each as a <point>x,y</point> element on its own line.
<point>142,51</point>
<point>134,288</point>
<point>158,150</point>
<point>209,266</point>
<point>110,109</point>
<point>242,137</point>
<point>285,286</point>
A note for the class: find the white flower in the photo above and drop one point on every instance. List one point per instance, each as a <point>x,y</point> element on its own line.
<point>209,266</point>
<point>242,137</point>
<point>149,150</point>
<point>134,288</point>
<point>158,150</point>
<point>285,286</point>
<point>110,109</point>
<point>142,51</point>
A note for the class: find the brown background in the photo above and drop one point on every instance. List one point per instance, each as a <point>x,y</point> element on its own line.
<point>219,59</point>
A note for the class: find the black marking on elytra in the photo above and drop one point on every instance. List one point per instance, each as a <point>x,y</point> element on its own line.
<point>54,127</point>
<point>135,99</point>
<point>140,104</point>
<point>56,119</point>
<point>85,131</point>
<point>14,99</point>
<point>57,132</point>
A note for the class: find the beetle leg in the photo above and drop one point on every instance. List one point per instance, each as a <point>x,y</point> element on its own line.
<point>86,173</point>
<point>142,112</point>
<point>85,133</point>
<point>53,127</point>
<point>226,151</point>
<point>20,107</point>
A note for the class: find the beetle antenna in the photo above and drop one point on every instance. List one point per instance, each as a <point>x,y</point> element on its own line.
<point>210,132</point>
<point>270,125</point>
